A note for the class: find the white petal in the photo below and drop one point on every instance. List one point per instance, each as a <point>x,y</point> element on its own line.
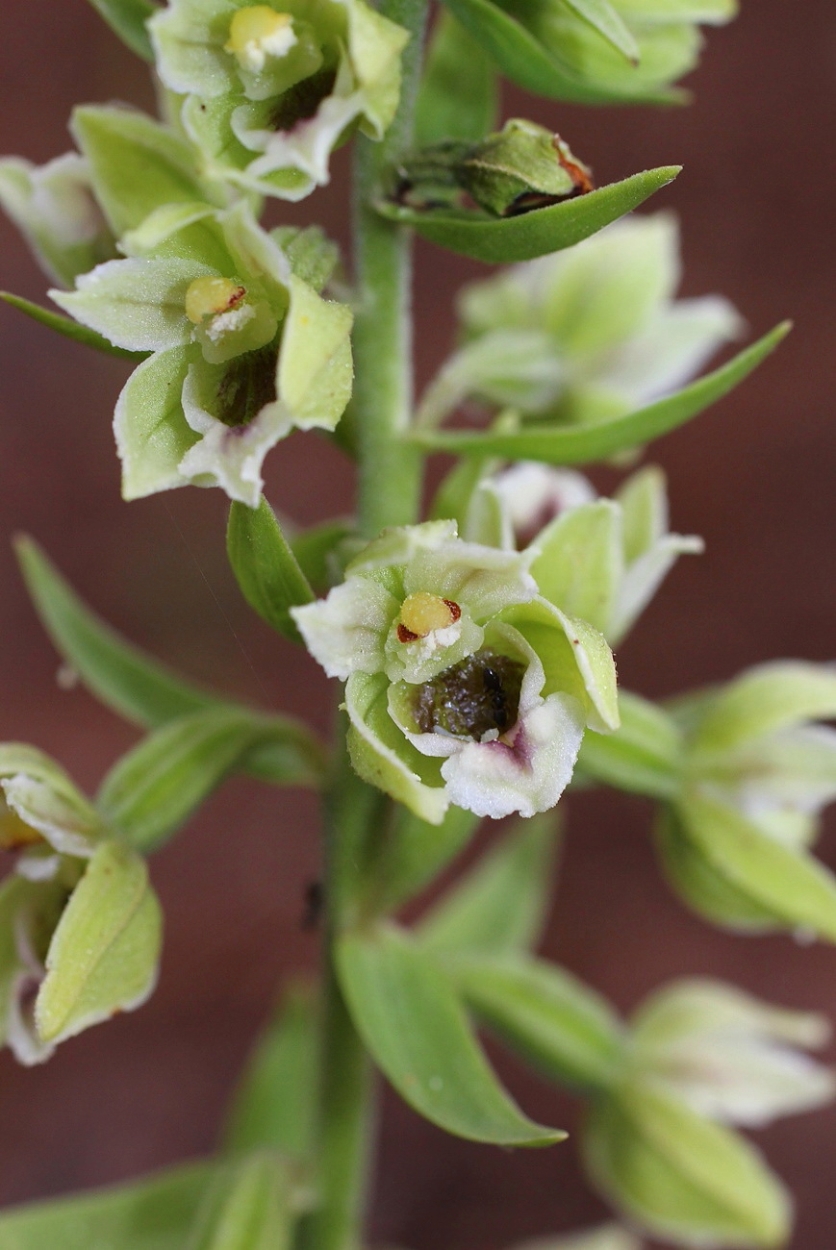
<point>346,632</point>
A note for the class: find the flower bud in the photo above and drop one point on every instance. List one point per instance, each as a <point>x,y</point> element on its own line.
<point>521,167</point>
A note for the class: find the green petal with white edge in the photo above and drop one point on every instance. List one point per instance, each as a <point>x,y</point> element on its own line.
<point>766,699</point>
<point>644,577</point>
<point>136,164</point>
<point>644,509</point>
<point>795,768</point>
<point>46,799</point>
<point>484,579</point>
<point>137,304</point>
<point>576,659</point>
<point>597,295</point>
<point>188,39</point>
<point>103,956</point>
<point>382,755</point>
<point>315,365</point>
<point>579,564</point>
<point>346,632</point>
<point>375,45</point>
<point>152,434</point>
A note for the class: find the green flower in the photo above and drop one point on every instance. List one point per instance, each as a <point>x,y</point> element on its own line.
<point>583,335</point>
<point>56,209</point>
<point>756,771</point>
<point>243,350</point>
<point>464,685</point>
<point>601,559</point>
<point>271,89</point>
<point>80,926</point>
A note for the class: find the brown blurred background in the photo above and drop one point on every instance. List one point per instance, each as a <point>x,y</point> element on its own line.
<point>756,476</point>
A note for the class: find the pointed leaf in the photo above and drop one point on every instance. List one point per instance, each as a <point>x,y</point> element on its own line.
<point>103,956</point>
<point>275,1104</point>
<point>417,1031</point>
<point>127,18</point>
<point>265,567</point>
<point>545,1014</point>
<point>153,1213</point>
<point>503,240</point>
<point>415,852</point>
<point>582,444</point>
<point>458,97</point>
<point>156,787</point>
<point>70,329</point>
<point>249,1206</point>
<point>118,673</point>
<point>501,904</point>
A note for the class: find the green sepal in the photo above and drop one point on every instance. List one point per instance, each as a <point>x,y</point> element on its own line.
<point>682,1177</point>
<point>265,567</point>
<point>458,96</point>
<point>275,1104</point>
<point>579,561</point>
<point>643,756</point>
<point>249,1205</point>
<point>779,887</point>
<point>549,1017</point>
<point>412,1021</point>
<point>118,673</point>
<point>607,21</point>
<point>152,434</point>
<point>508,239</point>
<point>104,953</point>
<point>136,164</point>
<point>764,700</point>
<point>68,328</point>
<point>312,255</point>
<point>155,787</point>
<point>46,798</point>
<point>153,1213</point>
<point>502,903</point>
<point>582,444</point>
<point>127,19</point>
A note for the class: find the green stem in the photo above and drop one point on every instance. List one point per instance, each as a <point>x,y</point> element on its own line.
<point>390,470</point>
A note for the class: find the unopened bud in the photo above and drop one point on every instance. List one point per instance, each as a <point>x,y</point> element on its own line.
<point>521,167</point>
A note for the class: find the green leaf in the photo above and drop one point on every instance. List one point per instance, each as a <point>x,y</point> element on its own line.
<point>795,888</point>
<point>69,329</point>
<point>601,16</point>
<point>136,164</point>
<point>501,904</point>
<point>127,18</point>
<point>458,97</point>
<point>156,787</point>
<point>266,569</point>
<point>103,956</point>
<point>526,61</point>
<point>153,1213</point>
<point>507,239</point>
<point>122,676</point>
<point>314,548</point>
<point>275,1104</point>
<point>415,852</point>
<point>582,444</point>
<point>643,756</point>
<point>545,1014</point>
<point>411,1020</point>
<point>249,1206</point>
<point>681,1177</point>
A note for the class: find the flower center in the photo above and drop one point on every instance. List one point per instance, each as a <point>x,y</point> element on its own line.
<point>208,298</point>
<point>476,697</point>
<point>258,32</point>
<point>422,613</point>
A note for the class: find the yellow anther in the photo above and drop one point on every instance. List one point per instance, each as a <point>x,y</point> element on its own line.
<point>208,297</point>
<point>422,613</point>
<point>257,32</point>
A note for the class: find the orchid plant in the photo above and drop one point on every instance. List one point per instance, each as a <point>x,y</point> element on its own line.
<point>470,629</point>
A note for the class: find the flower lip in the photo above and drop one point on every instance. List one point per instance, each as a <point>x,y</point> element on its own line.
<point>478,698</point>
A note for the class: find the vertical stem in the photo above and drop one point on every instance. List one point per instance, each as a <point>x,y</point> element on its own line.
<point>390,470</point>
<point>389,494</point>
